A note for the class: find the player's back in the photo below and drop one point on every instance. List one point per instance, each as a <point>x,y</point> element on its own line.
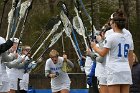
<point>119,45</point>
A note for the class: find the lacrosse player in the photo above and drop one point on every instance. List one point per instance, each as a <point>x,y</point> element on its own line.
<point>13,72</point>
<point>100,71</point>
<point>60,81</point>
<point>119,50</point>
<point>4,46</point>
<point>4,77</point>
<point>23,83</point>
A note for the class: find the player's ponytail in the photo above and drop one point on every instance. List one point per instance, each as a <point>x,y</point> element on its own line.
<point>118,17</point>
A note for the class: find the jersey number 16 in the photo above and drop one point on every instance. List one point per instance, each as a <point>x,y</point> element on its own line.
<point>125,52</point>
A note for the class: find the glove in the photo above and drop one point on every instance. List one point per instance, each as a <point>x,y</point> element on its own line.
<point>32,65</point>
<point>89,80</point>
<point>57,74</point>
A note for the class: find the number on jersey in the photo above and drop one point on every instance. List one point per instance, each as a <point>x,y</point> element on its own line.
<point>125,52</point>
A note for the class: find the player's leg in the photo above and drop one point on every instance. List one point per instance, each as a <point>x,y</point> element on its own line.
<point>64,91</point>
<point>104,89</point>
<point>125,88</point>
<point>114,88</point>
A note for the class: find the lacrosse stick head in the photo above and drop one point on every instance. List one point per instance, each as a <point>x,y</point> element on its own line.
<point>77,26</point>
<point>66,23</point>
<point>105,28</point>
<point>15,2</point>
<point>63,7</point>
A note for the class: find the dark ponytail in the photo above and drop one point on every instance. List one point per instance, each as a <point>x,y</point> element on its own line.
<point>119,18</point>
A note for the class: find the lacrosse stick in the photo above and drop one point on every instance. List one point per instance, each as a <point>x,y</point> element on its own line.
<point>68,30</point>
<point>78,25</point>
<point>89,17</point>
<point>68,26</point>
<point>12,17</point>
<point>93,29</point>
<point>25,6</point>
<point>1,20</point>
<point>53,41</point>
<point>71,28</point>
<point>24,12</point>
<point>47,27</point>
<point>55,27</point>
<point>65,67</point>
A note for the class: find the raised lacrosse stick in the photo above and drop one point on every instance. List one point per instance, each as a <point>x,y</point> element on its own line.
<point>12,17</point>
<point>71,28</point>
<point>55,27</point>
<point>66,23</point>
<point>53,41</point>
<point>49,26</point>
<point>24,12</point>
<point>78,25</point>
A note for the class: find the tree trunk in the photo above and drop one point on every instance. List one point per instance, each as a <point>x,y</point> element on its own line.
<point>96,14</point>
<point>51,5</point>
<point>126,6</point>
<point>138,13</point>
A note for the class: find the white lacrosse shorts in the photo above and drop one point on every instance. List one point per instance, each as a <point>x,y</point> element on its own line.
<point>23,86</point>
<point>102,80</point>
<point>60,87</point>
<point>123,77</point>
<point>13,85</point>
<point>4,87</point>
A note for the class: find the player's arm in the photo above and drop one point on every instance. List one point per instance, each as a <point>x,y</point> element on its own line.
<point>6,57</point>
<point>70,63</point>
<point>130,58</point>
<point>102,52</point>
<point>50,75</point>
<point>5,46</point>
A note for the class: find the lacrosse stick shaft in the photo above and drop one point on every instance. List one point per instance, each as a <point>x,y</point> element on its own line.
<point>75,48</point>
<point>38,38</point>
<point>24,22</point>
<point>88,16</point>
<point>53,41</point>
<point>52,31</point>
<point>92,20</point>
<point>41,45</point>
<point>63,44</point>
